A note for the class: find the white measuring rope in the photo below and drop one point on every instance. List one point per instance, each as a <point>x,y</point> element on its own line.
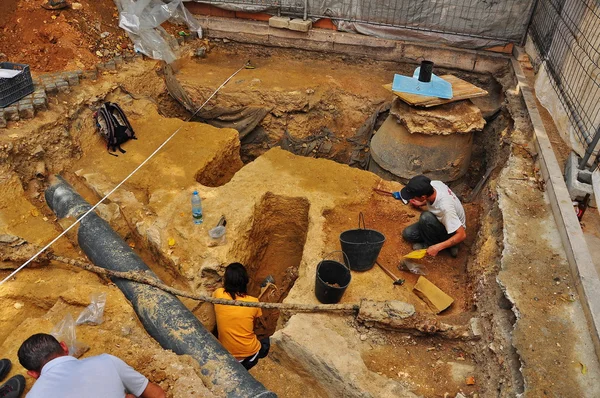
<point>122,182</point>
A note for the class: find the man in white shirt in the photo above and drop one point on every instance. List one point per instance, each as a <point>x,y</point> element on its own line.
<point>62,376</point>
<point>442,225</point>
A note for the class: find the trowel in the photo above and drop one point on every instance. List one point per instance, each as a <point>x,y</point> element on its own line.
<point>423,82</point>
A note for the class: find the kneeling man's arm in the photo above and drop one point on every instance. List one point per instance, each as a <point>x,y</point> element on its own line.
<point>455,239</point>
<point>152,391</point>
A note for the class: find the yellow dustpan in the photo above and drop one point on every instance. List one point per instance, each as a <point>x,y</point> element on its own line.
<point>416,254</point>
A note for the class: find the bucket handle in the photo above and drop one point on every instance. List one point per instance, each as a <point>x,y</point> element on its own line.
<point>361,219</point>
<point>336,251</point>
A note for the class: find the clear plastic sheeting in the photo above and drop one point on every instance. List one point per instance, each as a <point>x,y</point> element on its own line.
<point>142,19</point>
<point>93,314</point>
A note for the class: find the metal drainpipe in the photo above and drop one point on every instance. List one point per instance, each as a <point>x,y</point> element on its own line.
<point>529,21</point>
<point>163,315</point>
<point>305,9</point>
<point>590,150</point>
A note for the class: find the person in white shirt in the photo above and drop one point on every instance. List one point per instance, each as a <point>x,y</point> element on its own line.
<point>443,225</point>
<point>59,375</point>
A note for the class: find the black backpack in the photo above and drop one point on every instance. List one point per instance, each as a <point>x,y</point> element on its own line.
<point>114,126</point>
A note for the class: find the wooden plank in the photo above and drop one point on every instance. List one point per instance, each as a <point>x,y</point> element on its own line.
<point>461,90</point>
<point>435,298</point>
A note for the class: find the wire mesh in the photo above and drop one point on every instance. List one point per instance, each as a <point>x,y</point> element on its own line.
<point>567,35</point>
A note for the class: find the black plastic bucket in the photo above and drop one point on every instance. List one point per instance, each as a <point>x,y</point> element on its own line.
<point>361,246</point>
<point>332,279</point>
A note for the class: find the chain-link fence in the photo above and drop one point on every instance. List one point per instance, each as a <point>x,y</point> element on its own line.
<point>566,33</point>
<point>494,20</point>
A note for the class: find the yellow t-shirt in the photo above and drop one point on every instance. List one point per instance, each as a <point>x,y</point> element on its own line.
<point>236,325</point>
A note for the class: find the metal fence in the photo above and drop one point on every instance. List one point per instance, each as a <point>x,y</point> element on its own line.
<point>498,20</point>
<point>566,33</point>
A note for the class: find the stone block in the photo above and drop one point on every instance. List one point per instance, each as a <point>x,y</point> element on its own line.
<point>51,88</point>
<point>39,92</point>
<point>40,96</point>
<point>72,78</point>
<point>443,57</point>
<point>520,54</point>
<point>288,38</point>
<point>363,41</point>
<point>40,104</point>
<point>279,22</point>
<point>3,122</point>
<point>300,25</point>
<point>222,25</point>
<point>26,111</point>
<point>62,86</point>
<point>379,52</point>
<point>460,371</point>
<point>11,113</point>
<point>579,182</point>
<point>110,65</point>
<point>91,74</point>
<point>118,60</point>
<point>200,52</point>
<point>190,37</point>
<point>25,101</point>
<point>128,57</point>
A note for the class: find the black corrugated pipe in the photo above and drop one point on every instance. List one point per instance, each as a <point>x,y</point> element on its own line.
<point>163,315</point>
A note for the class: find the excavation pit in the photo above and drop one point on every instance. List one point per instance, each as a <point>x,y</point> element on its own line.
<point>284,213</point>
<point>274,248</point>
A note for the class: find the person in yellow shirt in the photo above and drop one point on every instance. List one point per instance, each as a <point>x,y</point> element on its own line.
<point>235,325</point>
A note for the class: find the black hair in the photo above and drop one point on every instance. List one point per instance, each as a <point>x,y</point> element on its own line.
<point>38,350</point>
<point>236,280</point>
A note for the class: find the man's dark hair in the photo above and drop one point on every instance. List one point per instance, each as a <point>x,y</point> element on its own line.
<point>38,350</point>
<point>236,280</point>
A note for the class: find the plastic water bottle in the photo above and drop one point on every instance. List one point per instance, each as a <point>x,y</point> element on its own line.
<point>196,208</point>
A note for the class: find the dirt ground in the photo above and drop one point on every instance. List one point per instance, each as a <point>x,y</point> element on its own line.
<point>285,213</point>
<point>68,39</point>
<point>390,217</point>
<point>77,37</point>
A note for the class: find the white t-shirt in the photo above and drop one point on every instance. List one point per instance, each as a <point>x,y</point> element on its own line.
<point>102,376</point>
<point>447,208</point>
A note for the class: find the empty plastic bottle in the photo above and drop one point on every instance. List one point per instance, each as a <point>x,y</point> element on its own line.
<point>197,208</point>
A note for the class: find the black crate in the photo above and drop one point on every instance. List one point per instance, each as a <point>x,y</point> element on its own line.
<point>15,88</point>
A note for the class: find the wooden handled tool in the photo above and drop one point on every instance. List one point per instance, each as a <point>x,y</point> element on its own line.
<point>397,281</point>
